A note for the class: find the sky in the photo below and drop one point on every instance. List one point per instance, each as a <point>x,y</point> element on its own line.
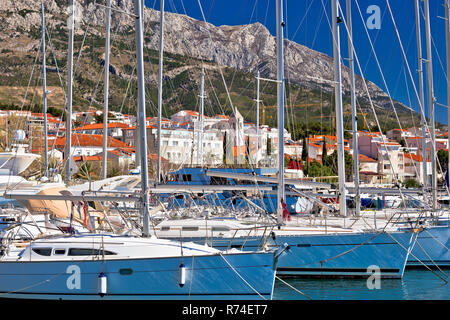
<point>307,23</point>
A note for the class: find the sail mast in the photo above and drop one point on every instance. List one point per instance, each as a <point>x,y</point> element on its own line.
<point>338,102</point>
<point>431,106</point>
<point>141,112</point>
<point>257,117</point>
<point>202,110</point>
<point>280,95</point>
<point>68,158</point>
<point>161,50</point>
<point>421,93</point>
<point>447,42</point>
<point>44,80</point>
<point>106,93</point>
<point>353,101</point>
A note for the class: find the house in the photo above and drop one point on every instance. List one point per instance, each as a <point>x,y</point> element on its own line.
<point>414,166</point>
<point>89,144</point>
<point>368,169</point>
<point>115,129</point>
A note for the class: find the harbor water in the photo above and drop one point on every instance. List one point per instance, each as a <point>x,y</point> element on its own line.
<point>416,284</point>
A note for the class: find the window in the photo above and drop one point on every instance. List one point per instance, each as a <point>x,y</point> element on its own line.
<point>88,252</point>
<point>59,252</point>
<point>175,143</point>
<point>187,177</point>
<point>43,251</point>
<point>165,228</point>
<point>189,228</point>
<point>165,142</point>
<point>220,228</point>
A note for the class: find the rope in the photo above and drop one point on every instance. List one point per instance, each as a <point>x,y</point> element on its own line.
<point>232,268</point>
<point>418,258</point>
<point>437,240</point>
<point>431,259</point>
<point>290,286</point>
<point>350,250</point>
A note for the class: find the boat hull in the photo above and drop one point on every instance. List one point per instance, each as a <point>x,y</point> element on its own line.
<point>352,255</point>
<point>207,277</point>
<point>431,248</point>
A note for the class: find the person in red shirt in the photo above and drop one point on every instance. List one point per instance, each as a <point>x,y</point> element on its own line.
<point>286,214</point>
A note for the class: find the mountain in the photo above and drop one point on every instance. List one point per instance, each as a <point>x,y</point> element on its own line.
<point>188,43</point>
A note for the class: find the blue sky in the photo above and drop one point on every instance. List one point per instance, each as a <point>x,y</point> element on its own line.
<point>307,23</point>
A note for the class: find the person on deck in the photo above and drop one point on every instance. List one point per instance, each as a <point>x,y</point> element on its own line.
<point>286,214</point>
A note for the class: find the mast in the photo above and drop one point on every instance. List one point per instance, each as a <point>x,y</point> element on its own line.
<point>447,38</point>
<point>257,117</point>
<point>44,79</point>
<point>421,93</point>
<point>338,102</point>
<point>280,96</point>
<point>106,93</point>
<point>202,101</point>
<point>68,158</point>
<point>141,113</point>
<point>161,50</point>
<point>353,101</point>
<point>431,106</point>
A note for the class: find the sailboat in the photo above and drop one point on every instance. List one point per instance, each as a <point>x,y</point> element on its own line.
<point>320,251</point>
<point>106,266</point>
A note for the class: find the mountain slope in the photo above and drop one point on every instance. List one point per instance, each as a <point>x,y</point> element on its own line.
<point>241,50</point>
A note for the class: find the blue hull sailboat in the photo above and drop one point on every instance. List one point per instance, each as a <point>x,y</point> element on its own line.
<point>107,267</point>
<point>100,266</point>
<point>310,251</point>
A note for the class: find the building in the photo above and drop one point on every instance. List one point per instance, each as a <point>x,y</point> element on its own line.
<point>91,144</point>
<point>115,129</point>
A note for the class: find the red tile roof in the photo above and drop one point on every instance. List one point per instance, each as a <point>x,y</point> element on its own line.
<point>96,126</point>
<point>364,158</point>
<point>91,140</point>
<point>415,157</point>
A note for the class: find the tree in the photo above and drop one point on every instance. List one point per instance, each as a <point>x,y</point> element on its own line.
<point>412,183</point>
<point>324,150</point>
<point>443,159</point>
<point>86,172</point>
<point>331,161</point>
<point>315,169</point>
<point>304,150</point>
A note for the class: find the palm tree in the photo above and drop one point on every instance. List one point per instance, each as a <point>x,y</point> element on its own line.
<point>85,172</point>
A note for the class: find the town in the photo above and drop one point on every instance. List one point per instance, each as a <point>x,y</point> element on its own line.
<point>396,155</point>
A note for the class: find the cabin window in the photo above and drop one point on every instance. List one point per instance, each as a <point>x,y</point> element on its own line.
<point>43,251</point>
<point>88,252</point>
<point>59,252</point>
<point>220,228</point>
<point>187,177</point>
<point>165,228</point>
<point>189,228</point>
